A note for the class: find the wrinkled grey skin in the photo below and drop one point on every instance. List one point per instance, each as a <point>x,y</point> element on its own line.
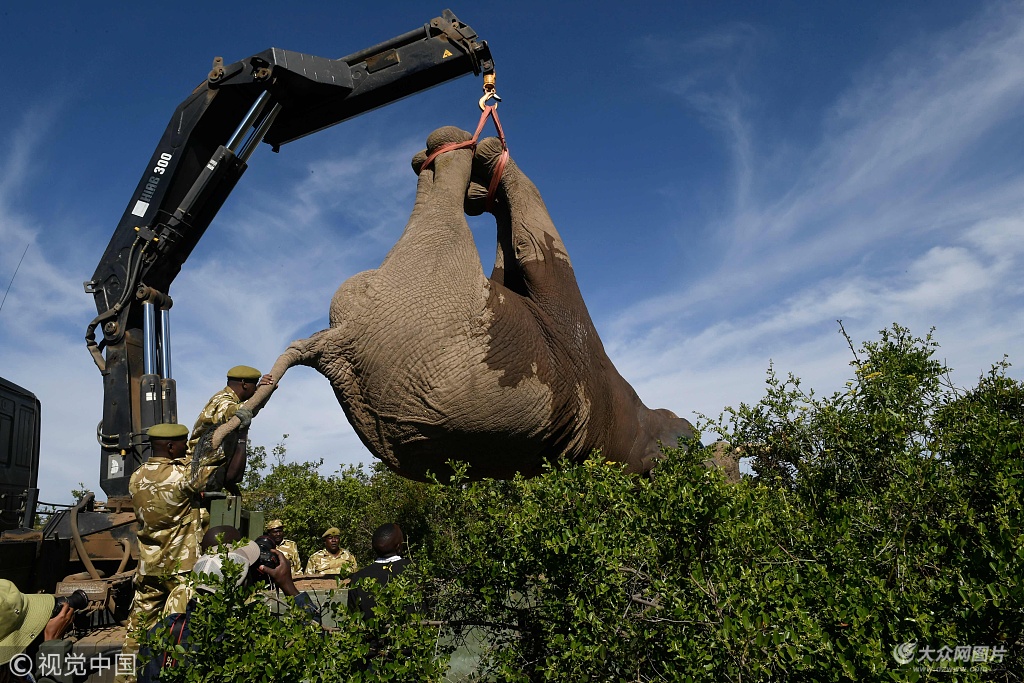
<point>433,361</point>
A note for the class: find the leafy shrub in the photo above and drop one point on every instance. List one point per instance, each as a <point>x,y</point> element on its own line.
<point>234,637</point>
<point>882,523</point>
<point>885,514</point>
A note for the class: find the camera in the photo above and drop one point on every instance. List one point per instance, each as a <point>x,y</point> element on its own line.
<point>78,601</point>
<point>267,558</point>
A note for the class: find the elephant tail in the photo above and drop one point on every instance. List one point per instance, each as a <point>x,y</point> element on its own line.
<point>299,352</point>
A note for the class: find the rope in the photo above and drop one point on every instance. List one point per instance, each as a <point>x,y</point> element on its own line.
<point>490,111</point>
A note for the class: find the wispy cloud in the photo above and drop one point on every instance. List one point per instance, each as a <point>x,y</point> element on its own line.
<point>41,344</point>
<point>904,210</point>
<point>713,90</point>
<point>263,276</point>
<point>42,294</point>
<point>19,145</point>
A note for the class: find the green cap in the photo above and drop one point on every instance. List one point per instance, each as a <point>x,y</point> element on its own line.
<point>244,372</point>
<point>22,619</point>
<point>333,531</point>
<point>168,431</point>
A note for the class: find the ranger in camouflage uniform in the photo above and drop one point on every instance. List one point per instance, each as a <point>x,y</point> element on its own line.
<point>164,490</point>
<point>333,558</point>
<point>222,406</point>
<point>275,530</point>
<point>164,494</point>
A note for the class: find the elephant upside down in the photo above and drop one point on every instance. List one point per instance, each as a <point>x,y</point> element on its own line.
<point>431,360</point>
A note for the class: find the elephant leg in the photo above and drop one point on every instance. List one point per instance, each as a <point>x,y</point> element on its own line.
<point>437,243</point>
<point>531,258</point>
<point>602,408</point>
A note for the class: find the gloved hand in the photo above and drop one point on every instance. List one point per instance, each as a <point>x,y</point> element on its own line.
<point>245,417</point>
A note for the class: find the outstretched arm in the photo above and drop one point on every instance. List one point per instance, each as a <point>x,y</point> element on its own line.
<point>236,462</point>
<point>301,352</point>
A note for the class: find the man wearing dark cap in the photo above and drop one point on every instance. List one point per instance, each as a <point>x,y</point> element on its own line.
<point>333,558</point>
<point>225,404</point>
<point>164,491</point>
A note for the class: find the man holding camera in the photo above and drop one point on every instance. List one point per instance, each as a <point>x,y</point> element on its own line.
<point>257,560</point>
<point>32,626</point>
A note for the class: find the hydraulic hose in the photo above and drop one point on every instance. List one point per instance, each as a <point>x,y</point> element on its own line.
<point>77,537</point>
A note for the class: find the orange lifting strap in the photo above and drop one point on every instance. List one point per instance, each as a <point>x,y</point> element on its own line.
<point>489,111</point>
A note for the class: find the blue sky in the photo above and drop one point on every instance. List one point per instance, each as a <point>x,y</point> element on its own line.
<point>729,179</point>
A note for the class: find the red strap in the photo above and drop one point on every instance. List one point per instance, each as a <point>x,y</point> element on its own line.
<point>177,628</point>
<point>490,111</point>
<point>499,167</point>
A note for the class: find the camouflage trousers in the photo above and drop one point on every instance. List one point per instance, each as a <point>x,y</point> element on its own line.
<point>155,596</point>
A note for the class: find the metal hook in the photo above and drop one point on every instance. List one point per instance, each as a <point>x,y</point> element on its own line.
<point>489,95</point>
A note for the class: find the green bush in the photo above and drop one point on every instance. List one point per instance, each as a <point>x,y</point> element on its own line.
<point>234,637</point>
<point>882,520</point>
<point>885,514</point>
<point>355,500</point>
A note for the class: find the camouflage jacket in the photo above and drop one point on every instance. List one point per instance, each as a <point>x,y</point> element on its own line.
<point>170,529</point>
<point>219,409</point>
<point>291,551</point>
<point>322,562</point>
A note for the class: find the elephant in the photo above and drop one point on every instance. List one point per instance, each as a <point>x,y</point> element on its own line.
<point>433,361</point>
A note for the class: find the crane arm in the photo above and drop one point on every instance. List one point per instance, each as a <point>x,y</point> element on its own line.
<point>276,96</point>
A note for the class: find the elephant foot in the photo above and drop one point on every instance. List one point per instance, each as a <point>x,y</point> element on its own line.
<point>446,139</point>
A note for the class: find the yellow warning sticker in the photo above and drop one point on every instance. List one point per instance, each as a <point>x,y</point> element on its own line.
<point>447,53</point>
